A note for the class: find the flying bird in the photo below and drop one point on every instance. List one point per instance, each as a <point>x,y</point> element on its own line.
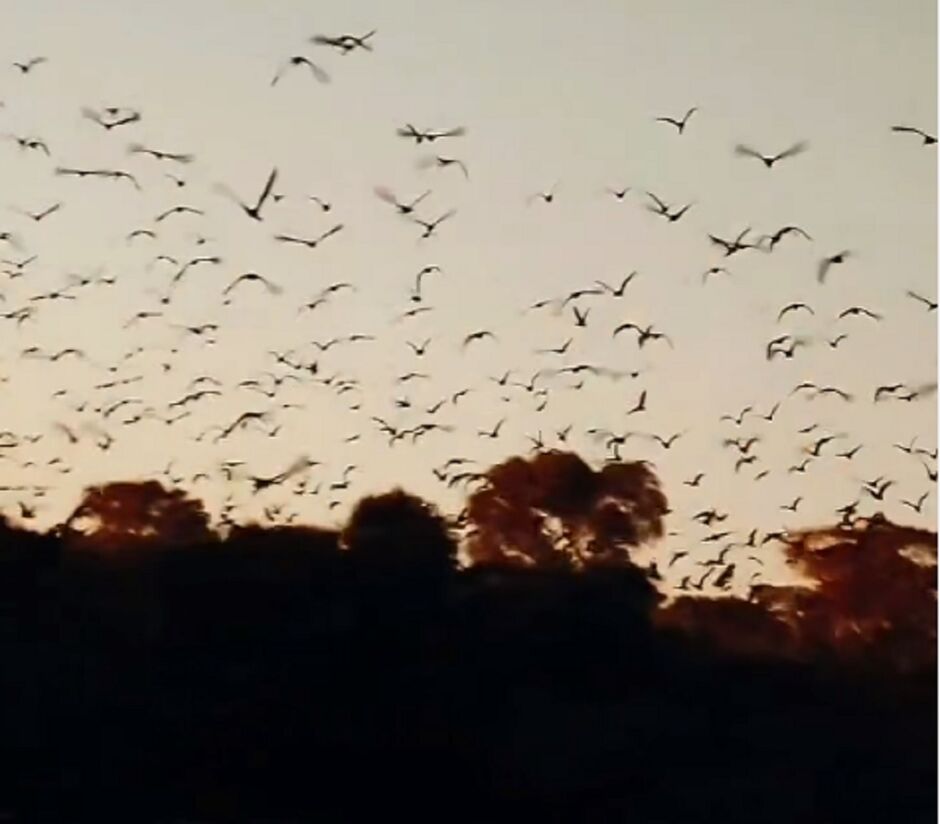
<point>479,335</point>
<point>917,507</point>
<point>643,335</point>
<point>826,263</point>
<point>770,160</point>
<point>793,307</point>
<point>254,212</point>
<point>157,154</point>
<point>430,226</point>
<point>272,288</point>
<point>442,163</point>
<point>780,234</point>
<point>300,60</point>
<point>428,135</point>
<point>929,140</point>
<point>345,43</point>
<point>859,311</point>
<point>27,66</point>
<point>679,124</point>
<point>310,243</point>
<point>930,304</point>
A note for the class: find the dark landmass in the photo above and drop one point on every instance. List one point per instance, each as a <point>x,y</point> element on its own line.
<point>155,670</point>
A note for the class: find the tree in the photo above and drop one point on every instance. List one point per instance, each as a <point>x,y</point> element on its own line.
<point>553,510</point>
<point>126,514</point>
<point>399,529</point>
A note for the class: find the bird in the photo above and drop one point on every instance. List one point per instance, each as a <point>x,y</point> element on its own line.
<point>640,405</point>
<point>696,480</point>
<point>254,212</point>
<point>826,263</point>
<point>112,117</point>
<point>849,454</point>
<point>917,507</point>
<point>177,210</point>
<point>793,307</point>
<point>345,43</point>
<point>441,162</point>
<point>546,196</point>
<point>819,444</point>
<point>428,135</point>
<point>773,239</point>
<point>113,174</point>
<point>157,154</point>
<point>619,194</point>
<point>770,160</point>
<point>43,214</point>
<point>732,246</point>
<point>558,350</point>
<point>770,415</point>
<point>738,419</point>
<point>272,288</point>
<point>713,271</point>
<point>859,311</point>
<point>744,460</point>
<point>930,304</point>
<point>310,243</point>
<point>833,390</point>
<point>929,140</point>
<point>492,433</point>
<point>300,60</point>
<point>666,443</point>
<point>834,343</point>
<point>643,335</point>
<point>27,66</point>
<point>478,335</point>
<point>419,349</point>
<point>661,208</point>
<point>878,491</point>
<point>403,207</point>
<point>887,389</point>
<point>580,318</point>
<point>430,226</point>
<point>619,291</point>
<point>679,124</point>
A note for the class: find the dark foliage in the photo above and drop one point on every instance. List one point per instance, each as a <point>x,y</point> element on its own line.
<point>299,674</point>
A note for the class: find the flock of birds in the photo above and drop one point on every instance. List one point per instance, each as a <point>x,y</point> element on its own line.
<point>101,415</point>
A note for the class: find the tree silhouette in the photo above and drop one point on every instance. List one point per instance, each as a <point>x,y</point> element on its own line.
<point>126,514</point>
<point>553,510</point>
<point>399,529</point>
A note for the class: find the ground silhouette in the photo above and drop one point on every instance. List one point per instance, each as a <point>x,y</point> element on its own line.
<point>301,674</point>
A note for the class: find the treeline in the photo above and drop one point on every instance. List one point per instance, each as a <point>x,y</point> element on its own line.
<point>301,674</point>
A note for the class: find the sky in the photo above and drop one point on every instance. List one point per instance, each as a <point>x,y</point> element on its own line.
<point>551,94</point>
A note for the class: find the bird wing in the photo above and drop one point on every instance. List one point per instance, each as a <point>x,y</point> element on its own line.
<point>747,151</point>
<point>795,149</point>
<point>267,188</point>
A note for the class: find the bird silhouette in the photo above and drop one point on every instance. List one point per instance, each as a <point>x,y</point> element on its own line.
<point>930,304</point>
<point>428,135</point>
<point>770,160</point>
<point>826,263</point>
<point>300,60</point>
<point>254,212</point>
<point>640,405</point>
<point>679,124</point>
<point>28,65</point>
<point>918,506</point>
<point>929,140</point>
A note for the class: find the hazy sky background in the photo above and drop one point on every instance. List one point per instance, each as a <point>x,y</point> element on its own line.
<point>548,91</point>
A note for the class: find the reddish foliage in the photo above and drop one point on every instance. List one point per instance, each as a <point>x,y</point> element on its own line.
<point>126,514</point>
<point>553,510</point>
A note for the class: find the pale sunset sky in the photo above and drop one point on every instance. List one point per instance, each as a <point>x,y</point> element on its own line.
<point>550,93</point>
